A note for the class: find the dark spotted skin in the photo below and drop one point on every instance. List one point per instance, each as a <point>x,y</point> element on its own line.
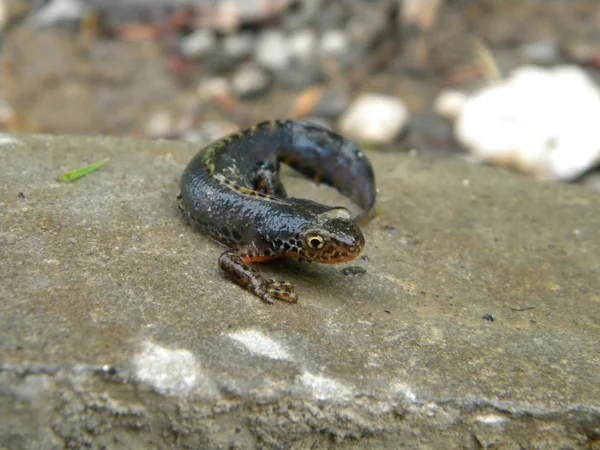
<point>231,191</point>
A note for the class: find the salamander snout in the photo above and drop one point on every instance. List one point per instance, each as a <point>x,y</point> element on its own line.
<point>337,239</point>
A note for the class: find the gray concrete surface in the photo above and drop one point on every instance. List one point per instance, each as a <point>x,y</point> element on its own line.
<point>117,330</point>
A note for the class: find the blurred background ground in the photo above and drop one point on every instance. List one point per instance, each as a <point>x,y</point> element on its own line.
<point>197,69</point>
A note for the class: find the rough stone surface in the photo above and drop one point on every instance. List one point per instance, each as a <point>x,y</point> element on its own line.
<point>117,331</point>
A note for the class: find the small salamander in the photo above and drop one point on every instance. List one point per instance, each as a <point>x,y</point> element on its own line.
<point>231,191</point>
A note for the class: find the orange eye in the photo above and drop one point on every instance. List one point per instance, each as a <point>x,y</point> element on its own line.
<point>315,241</point>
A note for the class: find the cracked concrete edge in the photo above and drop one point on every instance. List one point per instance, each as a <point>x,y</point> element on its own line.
<point>100,407</point>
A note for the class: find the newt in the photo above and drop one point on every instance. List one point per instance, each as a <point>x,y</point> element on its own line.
<point>232,192</point>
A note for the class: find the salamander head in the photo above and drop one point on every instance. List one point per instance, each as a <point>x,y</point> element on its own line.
<point>333,237</point>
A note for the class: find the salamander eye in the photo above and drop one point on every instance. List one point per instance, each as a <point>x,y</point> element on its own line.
<point>315,241</point>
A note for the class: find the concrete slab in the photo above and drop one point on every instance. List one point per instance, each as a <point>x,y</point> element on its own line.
<point>476,324</point>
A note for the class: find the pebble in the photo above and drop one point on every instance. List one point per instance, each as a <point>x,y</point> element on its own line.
<point>198,44</point>
<point>159,125</point>
<point>320,102</point>
<point>334,44</point>
<point>332,15</point>
<point>354,271</point>
<point>272,50</point>
<point>59,12</point>
<point>374,118</point>
<point>332,104</point>
<point>213,87</point>
<point>306,101</point>
<point>302,15</point>
<point>4,15</point>
<point>239,45</point>
<point>250,80</point>
<point>230,15</point>
<point>449,103</point>
<point>431,135</point>
<point>7,116</point>
<point>302,46</point>
<point>544,52</point>
<point>209,131</point>
<point>299,76</point>
<point>543,122</point>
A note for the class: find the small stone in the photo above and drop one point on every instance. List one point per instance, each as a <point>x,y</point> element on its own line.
<point>250,80</point>
<point>332,104</point>
<point>332,15</point>
<point>59,12</point>
<point>198,44</point>
<point>302,15</point>
<point>354,271</point>
<point>306,102</point>
<point>239,45</point>
<point>449,103</point>
<point>272,50</point>
<point>209,131</point>
<point>159,125</point>
<point>7,116</point>
<point>544,52</point>
<point>334,44</point>
<point>542,122</point>
<point>319,102</point>
<point>299,76</point>
<point>4,14</point>
<point>422,13</point>
<point>213,87</point>
<point>302,45</point>
<point>374,118</point>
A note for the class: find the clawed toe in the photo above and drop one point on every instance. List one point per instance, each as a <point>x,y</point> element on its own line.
<point>280,290</point>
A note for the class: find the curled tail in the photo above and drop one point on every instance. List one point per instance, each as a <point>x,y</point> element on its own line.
<point>326,157</point>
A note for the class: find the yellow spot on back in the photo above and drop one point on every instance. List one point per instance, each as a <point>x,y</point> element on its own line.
<point>243,190</point>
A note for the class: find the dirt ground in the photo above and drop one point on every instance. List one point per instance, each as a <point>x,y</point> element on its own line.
<point>59,81</point>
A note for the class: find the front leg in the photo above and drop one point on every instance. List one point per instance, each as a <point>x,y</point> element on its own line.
<point>234,263</point>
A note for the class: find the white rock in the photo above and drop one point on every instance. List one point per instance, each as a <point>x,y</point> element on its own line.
<point>374,118</point>
<point>333,44</point>
<point>159,125</point>
<point>198,44</point>
<point>272,50</point>
<point>250,80</point>
<point>213,87</point>
<point>449,103</point>
<point>4,15</point>
<point>58,11</point>
<point>539,121</point>
<point>302,45</point>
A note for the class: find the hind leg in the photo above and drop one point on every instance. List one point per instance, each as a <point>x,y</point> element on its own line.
<point>266,179</point>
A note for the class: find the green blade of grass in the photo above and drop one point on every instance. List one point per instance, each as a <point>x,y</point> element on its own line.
<point>78,173</point>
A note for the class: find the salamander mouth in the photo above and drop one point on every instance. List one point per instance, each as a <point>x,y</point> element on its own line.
<point>337,255</point>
